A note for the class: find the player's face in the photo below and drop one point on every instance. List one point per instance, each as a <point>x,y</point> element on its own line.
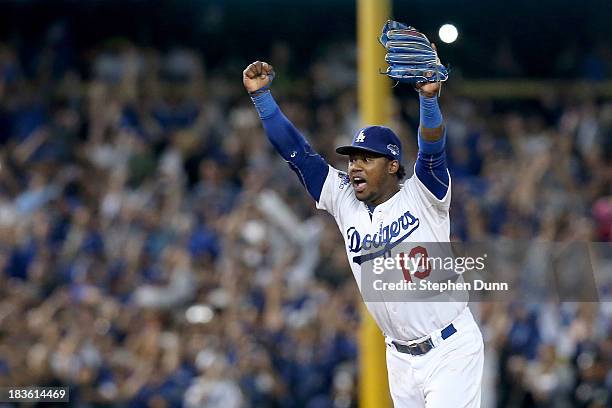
<point>370,177</point>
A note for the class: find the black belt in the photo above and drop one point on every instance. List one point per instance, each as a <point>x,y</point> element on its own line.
<point>418,349</point>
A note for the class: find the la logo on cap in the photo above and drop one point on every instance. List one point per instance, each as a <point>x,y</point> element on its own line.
<point>360,137</point>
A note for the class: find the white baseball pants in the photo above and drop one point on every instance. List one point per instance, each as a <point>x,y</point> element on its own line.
<point>449,375</point>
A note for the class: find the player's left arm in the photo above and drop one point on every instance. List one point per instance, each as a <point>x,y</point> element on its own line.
<point>431,167</point>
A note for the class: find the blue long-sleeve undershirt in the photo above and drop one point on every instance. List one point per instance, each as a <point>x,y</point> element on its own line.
<point>431,167</point>
<point>310,167</point>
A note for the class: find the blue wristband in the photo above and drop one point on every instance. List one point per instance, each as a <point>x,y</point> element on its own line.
<point>431,117</point>
<point>265,104</point>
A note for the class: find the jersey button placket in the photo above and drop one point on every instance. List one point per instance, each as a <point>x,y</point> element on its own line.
<point>379,218</point>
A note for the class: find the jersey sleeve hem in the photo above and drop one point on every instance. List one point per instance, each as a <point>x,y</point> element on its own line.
<point>444,201</point>
<point>333,192</point>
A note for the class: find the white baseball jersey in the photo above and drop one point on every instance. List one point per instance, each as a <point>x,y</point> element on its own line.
<point>416,215</point>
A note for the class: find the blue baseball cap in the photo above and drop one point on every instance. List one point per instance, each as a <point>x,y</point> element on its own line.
<point>375,139</point>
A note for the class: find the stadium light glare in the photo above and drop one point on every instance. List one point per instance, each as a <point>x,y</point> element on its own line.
<point>448,33</point>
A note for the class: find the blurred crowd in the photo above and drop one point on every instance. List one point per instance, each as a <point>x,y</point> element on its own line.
<point>156,252</point>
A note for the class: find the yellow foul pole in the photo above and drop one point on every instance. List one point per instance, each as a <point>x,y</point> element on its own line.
<point>374,106</point>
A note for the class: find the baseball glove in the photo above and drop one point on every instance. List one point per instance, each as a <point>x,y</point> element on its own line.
<point>410,55</point>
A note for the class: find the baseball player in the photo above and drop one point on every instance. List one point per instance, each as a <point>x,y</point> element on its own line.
<point>434,349</point>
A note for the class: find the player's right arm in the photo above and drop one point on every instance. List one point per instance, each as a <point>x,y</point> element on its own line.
<point>310,167</point>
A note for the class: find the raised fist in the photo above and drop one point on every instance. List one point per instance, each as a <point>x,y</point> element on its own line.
<point>257,75</point>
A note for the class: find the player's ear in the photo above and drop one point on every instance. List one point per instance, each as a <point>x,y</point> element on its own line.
<point>393,166</point>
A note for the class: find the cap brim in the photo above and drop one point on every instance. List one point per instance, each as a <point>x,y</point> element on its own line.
<point>347,150</point>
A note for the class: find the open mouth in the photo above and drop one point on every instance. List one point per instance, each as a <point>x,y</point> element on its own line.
<point>359,184</point>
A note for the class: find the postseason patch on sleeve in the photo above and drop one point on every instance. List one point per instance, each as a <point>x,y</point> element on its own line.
<point>344,180</point>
